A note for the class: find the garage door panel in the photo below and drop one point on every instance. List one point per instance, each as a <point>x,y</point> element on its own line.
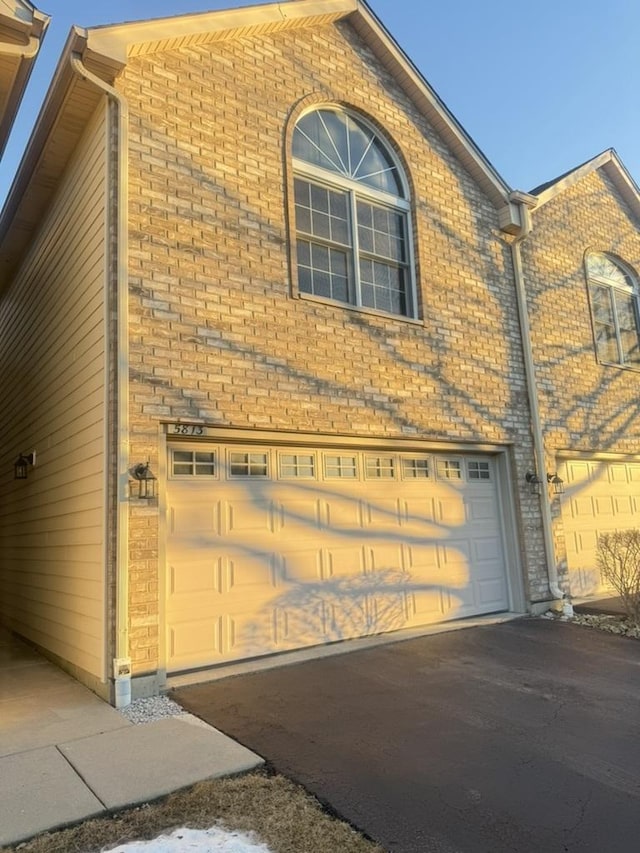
<point>198,577</point>
<point>488,549</point>
<point>299,516</point>
<point>194,518</point>
<point>491,593</point>
<point>383,557</point>
<point>602,503</point>
<point>196,641</point>
<point>427,606</point>
<point>250,517</point>
<point>325,551</point>
<point>346,561</point>
<point>482,510</point>
<point>302,565</point>
<point>252,573</point>
<point>623,506</point>
<point>451,511</point>
<point>383,514</point>
<point>419,511</point>
<point>343,514</point>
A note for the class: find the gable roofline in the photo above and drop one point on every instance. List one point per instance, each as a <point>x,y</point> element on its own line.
<point>610,163</point>
<point>105,50</point>
<point>22,28</point>
<point>123,41</point>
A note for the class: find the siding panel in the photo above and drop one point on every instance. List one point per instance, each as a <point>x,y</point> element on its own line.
<point>52,399</point>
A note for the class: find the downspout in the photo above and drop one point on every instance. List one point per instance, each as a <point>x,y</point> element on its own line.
<point>122,661</point>
<point>532,388</point>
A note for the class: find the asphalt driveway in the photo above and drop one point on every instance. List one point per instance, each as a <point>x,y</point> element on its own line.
<point>520,737</point>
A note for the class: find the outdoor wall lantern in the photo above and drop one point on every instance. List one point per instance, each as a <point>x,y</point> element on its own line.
<point>22,464</point>
<point>145,479</point>
<point>556,482</point>
<point>534,482</point>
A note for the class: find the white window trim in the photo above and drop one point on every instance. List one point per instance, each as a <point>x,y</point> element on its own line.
<point>355,189</point>
<point>612,287</point>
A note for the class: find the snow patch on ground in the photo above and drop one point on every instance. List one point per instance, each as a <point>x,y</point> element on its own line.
<point>215,840</point>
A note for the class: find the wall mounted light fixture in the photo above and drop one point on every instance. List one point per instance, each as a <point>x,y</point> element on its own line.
<point>22,464</point>
<point>145,479</point>
<point>534,482</point>
<point>556,482</point>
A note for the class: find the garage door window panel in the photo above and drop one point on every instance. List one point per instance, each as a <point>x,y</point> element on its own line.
<point>449,469</point>
<point>193,463</point>
<point>352,215</point>
<point>297,465</point>
<point>477,470</point>
<point>248,464</point>
<point>415,469</point>
<point>341,467</point>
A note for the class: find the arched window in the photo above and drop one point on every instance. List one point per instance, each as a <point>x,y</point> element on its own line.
<point>614,301</point>
<point>352,214</point>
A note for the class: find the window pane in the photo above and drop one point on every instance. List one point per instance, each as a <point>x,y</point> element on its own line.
<point>383,287</point>
<point>379,467</point>
<point>449,469</point>
<point>297,465</point>
<point>342,144</point>
<point>478,470</point>
<point>205,464</point>
<point>415,468</point>
<point>248,464</point>
<point>340,466</point>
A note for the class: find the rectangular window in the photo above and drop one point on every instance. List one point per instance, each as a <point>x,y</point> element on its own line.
<point>449,469</point>
<point>190,463</point>
<point>340,466</point>
<point>478,470</point>
<point>616,325</point>
<point>415,469</point>
<point>379,467</point>
<point>293,465</point>
<point>248,464</point>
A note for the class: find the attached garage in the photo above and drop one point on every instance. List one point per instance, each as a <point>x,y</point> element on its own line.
<point>272,548</point>
<point>600,496</point>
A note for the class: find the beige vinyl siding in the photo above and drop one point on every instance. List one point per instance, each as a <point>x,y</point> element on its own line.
<point>52,400</point>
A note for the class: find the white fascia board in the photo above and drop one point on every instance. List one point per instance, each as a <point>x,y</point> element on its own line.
<point>116,41</point>
<point>612,166</point>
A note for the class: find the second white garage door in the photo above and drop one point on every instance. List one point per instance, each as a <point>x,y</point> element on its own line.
<point>600,497</point>
<point>281,548</point>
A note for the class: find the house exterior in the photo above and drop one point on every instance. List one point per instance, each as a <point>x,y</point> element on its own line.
<point>251,255</point>
<point>22,28</point>
<point>581,264</point>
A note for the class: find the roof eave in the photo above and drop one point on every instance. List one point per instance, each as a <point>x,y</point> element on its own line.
<point>22,36</point>
<point>612,166</point>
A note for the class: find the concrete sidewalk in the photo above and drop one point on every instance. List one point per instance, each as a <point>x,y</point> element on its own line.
<point>65,755</point>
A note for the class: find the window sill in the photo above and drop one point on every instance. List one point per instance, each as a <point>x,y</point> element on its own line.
<point>630,367</point>
<point>359,309</point>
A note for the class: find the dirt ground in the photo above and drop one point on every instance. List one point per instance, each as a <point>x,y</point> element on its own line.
<point>283,815</point>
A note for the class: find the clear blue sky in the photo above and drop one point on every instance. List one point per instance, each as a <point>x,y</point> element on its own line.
<point>540,86</point>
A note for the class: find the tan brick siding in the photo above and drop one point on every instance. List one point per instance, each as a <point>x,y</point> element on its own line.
<point>217,333</point>
<point>584,405</point>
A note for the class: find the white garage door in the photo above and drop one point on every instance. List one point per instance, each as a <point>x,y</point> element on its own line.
<point>281,548</point>
<point>600,496</point>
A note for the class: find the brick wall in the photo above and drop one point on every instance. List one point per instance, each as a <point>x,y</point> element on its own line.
<point>584,405</point>
<point>217,331</point>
